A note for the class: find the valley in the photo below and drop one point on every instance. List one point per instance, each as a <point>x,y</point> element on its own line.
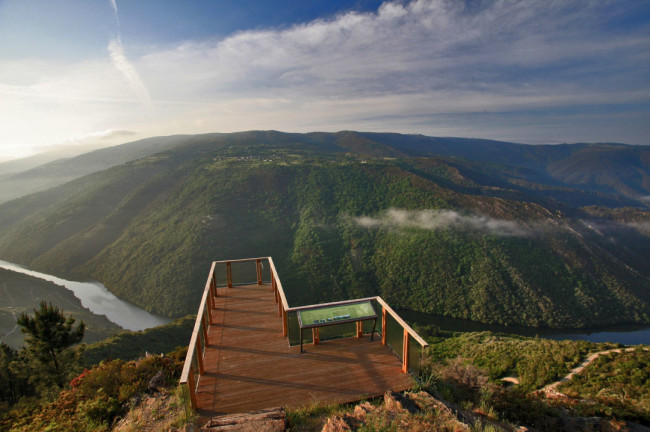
<point>469,229</point>
<point>95,298</point>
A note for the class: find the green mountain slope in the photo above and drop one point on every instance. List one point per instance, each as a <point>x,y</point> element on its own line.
<point>346,215</point>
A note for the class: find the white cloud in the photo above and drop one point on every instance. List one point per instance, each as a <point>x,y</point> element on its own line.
<point>129,72</point>
<point>424,46</point>
<point>423,58</point>
<point>436,220</point>
<point>114,6</point>
<point>644,227</point>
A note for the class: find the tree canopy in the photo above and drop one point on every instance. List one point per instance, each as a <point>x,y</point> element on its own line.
<point>47,335</point>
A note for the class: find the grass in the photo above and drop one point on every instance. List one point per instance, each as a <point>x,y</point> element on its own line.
<point>155,413</point>
<point>313,417</point>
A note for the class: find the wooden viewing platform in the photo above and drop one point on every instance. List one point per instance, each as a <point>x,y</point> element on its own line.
<point>241,358</point>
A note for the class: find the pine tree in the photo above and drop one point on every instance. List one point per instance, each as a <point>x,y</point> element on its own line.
<point>48,334</point>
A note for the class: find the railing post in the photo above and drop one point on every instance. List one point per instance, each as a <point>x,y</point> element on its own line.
<point>210,306</point>
<point>213,285</point>
<point>276,294</point>
<point>192,388</point>
<point>229,274</point>
<point>274,287</point>
<point>199,356</point>
<point>258,266</point>
<point>284,321</point>
<point>405,352</point>
<point>204,328</point>
<point>280,309</point>
<point>315,335</point>
<point>359,329</point>
<point>383,325</point>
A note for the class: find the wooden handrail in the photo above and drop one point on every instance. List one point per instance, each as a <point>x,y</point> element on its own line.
<point>274,274</point>
<point>241,260</point>
<point>401,322</point>
<point>187,375</point>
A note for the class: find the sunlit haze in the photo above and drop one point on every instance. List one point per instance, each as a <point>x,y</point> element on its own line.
<point>106,72</point>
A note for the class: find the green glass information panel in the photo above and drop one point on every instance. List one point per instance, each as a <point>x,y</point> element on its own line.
<point>324,316</point>
<point>319,317</point>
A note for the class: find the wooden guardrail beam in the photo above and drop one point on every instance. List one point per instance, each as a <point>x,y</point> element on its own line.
<point>401,322</point>
<point>241,260</point>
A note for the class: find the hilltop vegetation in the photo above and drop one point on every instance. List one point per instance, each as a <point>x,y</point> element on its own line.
<point>617,382</point>
<point>97,396</point>
<point>497,239</point>
<point>468,368</point>
<point>33,396</point>
<point>533,362</point>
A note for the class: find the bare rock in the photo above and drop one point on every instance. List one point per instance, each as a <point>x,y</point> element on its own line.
<point>425,402</point>
<point>157,382</point>
<point>336,424</point>
<point>268,420</point>
<point>362,409</point>
<point>397,402</point>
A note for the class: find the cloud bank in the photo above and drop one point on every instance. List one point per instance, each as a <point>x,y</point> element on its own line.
<point>438,220</point>
<point>492,69</point>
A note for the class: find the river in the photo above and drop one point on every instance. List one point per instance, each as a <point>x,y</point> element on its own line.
<point>99,300</point>
<point>627,335</point>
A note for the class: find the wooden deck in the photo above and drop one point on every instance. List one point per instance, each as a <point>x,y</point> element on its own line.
<point>249,364</point>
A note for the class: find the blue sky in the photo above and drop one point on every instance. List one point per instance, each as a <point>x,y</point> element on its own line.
<point>73,72</point>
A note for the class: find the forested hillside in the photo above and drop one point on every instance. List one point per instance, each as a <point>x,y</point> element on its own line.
<point>496,239</point>
<point>18,179</point>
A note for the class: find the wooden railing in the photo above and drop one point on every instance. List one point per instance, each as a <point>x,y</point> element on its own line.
<point>199,338</point>
<point>408,332</point>
<point>280,298</point>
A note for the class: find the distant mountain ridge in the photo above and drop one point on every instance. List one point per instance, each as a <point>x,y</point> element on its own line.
<point>489,233</point>
<point>606,167</point>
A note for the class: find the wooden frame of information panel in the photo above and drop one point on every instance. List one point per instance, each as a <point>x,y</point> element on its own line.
<point>337,319</point>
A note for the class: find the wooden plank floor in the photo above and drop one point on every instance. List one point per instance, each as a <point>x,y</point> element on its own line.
<point>249,364</point>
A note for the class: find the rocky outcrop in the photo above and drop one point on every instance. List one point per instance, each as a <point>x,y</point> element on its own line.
<point>414,411</point>
<point>157,382</point>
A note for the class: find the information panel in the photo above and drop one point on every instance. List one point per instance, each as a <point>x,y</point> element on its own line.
<point>336,314</point>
